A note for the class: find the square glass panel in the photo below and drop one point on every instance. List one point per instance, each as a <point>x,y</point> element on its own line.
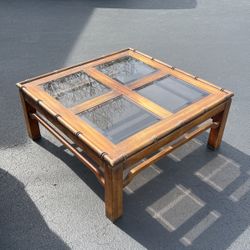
<point>74,89</point>
<point>126,69</point>
<point>172,93</point>
<point>118,118</point>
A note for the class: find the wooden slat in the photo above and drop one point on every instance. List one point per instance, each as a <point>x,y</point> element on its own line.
<point>100,142</point>
<point>126,91</point>
<point>148,135</point>
<point>166,150</point>
<point>188,78</point>
<point>145,80</point>
<point>192,81</point>
<point>103,98</point>
<point>148,150</point>
<point>70,134</point>
<point>133,52</point>
<point>94,102</point>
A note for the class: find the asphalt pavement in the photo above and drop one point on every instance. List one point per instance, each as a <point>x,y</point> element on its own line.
<point>194,198</point>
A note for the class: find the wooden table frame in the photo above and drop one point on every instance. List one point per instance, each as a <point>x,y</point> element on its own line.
<point>109,161</point>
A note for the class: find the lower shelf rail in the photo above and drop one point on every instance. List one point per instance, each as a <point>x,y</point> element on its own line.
<point>84,160</point>
<point>166,150</point>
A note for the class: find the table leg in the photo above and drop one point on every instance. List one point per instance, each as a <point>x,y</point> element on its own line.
<point>113,192</point>
<point>31,125</point>
<point>215,136</point>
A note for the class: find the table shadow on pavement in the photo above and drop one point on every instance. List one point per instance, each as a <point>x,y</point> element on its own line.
<point>195,197</point>
<point>21,224</point>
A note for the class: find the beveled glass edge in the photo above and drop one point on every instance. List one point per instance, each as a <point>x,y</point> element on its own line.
<point>155,69</point>
<point>99,130</point>
<point>170,75</point>
<point>125,97</point>
<point>80,71</point>
<point>109,89</point>
<point>204,92</point>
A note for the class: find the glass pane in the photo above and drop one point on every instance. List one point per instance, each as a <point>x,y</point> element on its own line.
<point>118,118</point>
<point>74,89</point>
<point>126,69</point>
<point>172,93</point>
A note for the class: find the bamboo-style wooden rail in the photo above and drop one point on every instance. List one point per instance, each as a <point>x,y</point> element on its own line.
<point>182,71</point>
<point>85,161</point>
<point>136,170</point>
<point>166,150</point>
<point>40,103</point>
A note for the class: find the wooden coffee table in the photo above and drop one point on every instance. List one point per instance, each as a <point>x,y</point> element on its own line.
<point>122,112</point>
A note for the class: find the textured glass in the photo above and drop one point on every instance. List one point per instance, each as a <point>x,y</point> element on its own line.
<point>118,118</point>
<point>126,69</point>
<point>74,89</point>
<point>172,93</point>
